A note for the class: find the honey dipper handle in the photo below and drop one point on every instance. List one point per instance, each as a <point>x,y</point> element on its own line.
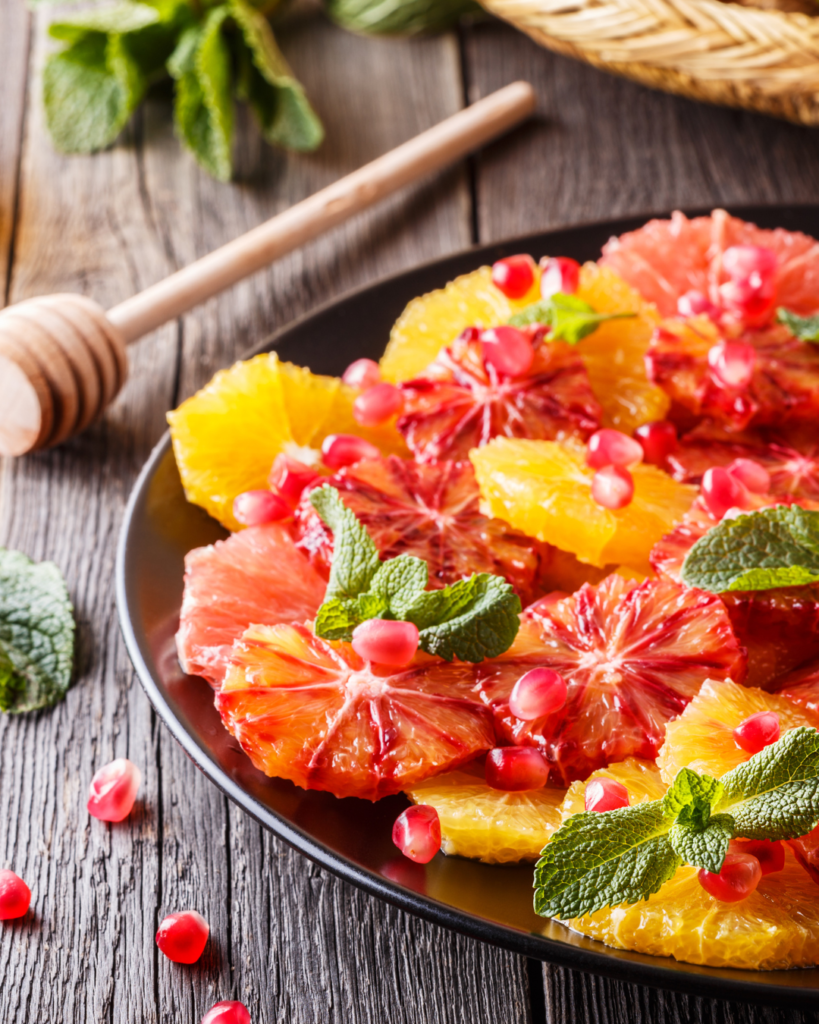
<point>427,152</point>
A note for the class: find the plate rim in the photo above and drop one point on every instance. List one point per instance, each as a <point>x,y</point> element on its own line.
<point>605,961</point>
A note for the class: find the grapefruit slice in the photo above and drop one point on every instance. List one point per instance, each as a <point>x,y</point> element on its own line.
<point>632,656</point>
<point>801,686</point>
<point>257,575</point>
<point>314,712</point>
<point>460,402</point>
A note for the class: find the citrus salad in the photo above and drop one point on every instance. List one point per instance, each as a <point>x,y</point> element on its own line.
<point>551,569</point>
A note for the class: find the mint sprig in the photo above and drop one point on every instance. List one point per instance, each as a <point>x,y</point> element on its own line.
<point>806,328</point>
<point>601,860</point>
<point>470,620</point>
<point>570,319</point>
<point>774,547</point>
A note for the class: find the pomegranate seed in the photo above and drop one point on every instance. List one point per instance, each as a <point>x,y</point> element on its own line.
<point>470,334</point>
<point>732,363</point>
<point>758,731</point>
<point>612,487</point>
<point>612,448</point>
<point>339,450</point>
<point>559,274</point>
<point>605,795</point>
<point>769,852</point>
<point>228,1012</point>
<point>182,937</point>
<point>386,642</point>
<point>113,790</point>
<point>721,491</point>
<point>256,507</point>
<point>508,350</point>
<point>363,373</point>
<point>417,833</point>
<point>694,303</point>
<point>377,405</point>
<point>514,275</point>
<point>740,875</point>
<point>537,693</point>
<point>289,478</point>
<point>750,292</point>
<point>658,439</point>
<point>514,769</point>
<point>751,475</point>
<point>15,896</point>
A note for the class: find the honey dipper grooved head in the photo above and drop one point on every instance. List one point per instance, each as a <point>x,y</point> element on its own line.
<point>61,363</point>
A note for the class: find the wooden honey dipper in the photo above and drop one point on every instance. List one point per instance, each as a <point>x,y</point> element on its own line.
<point>63,358</point>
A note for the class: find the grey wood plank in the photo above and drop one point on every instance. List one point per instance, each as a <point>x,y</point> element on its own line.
<point>14,49</point>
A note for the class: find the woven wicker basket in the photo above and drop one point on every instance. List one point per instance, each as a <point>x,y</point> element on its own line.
<point>765,60</point>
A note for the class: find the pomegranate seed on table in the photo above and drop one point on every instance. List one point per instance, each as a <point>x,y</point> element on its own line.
<point>363,373</point>
<point>721,491</point>
<point>750,292</point>
<point>253,508</point>
<point>758,731</point>
<point>612,487</point>
<point>15,896</point>
<point>182,937</point>
<point>340,450</point>
<point>658,441</point>
<point>289,477</point>
<point>113,790</point>
<point>514,276</point>
<point>386,642</point>
<point>751,475</point>
<point>612,448</point>
<point>769,852</point>
<point>417,833</point>
<point>559,274</point>
<point>605,795</point>
<point>227,1012</point>
<point>537,693</point>
<point>732,363</point>
<point>377,405</point>
<point>516,769</point>
<point>694,303</point>
<point>740,875</point>
<point>508,350</point>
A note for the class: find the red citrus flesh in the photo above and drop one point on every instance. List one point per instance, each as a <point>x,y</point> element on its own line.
<point>632,656</point>
<point>257,576</point>
<point>461,401</point>
<point>430,511</point>
<point>316,713</point>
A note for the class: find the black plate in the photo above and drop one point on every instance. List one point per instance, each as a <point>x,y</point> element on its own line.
<point>352,837</point>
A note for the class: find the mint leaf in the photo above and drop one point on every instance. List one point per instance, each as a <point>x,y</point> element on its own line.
<point>571,319</point>
<point>806,328</point>
<point>472,619</point>
<point>355,556</point>
<point>690,797</point>
<point>703,847</point>
<point>36,634</point>
<point>118,19</point>
<point>773,547</point>
<point>602,860</point>
<point>399,582</point>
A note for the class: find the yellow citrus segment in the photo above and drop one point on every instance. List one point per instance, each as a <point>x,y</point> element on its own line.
<point>544,489</point>
<point>432,321</point>
<point>487,824</point>
<point>614,354</point>
<point>702,737</point>
<point>309,399</point>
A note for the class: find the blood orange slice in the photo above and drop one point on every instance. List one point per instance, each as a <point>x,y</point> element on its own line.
<point>632,655</point>
<point>460,402</point>
<point>801,686</point>
<point>314,712</point>
<point>430,511</point>
<point>257,575</point>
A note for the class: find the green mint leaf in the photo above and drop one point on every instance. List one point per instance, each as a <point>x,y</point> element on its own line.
<point>806,328</point>
<point>275,96</point>
<point>355,557</point>
<point>536,313</point>
<point>775,795</point>
<point>399,17</point>
<point>201,65</point>
<point>119,19</point>
<point>36,634</point>
<point>703,847</point>
<point>773,547</point>
<point>472,619</point>
<point>337,618</point>
<point>602,860</point>
<point>399,582</point>
<point>571,319</point>
<point>690,798</point>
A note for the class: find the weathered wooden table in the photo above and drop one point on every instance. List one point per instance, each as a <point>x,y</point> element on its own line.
<point>288,939</point>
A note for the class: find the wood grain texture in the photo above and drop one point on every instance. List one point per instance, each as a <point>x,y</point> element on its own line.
<point>14,49</point>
